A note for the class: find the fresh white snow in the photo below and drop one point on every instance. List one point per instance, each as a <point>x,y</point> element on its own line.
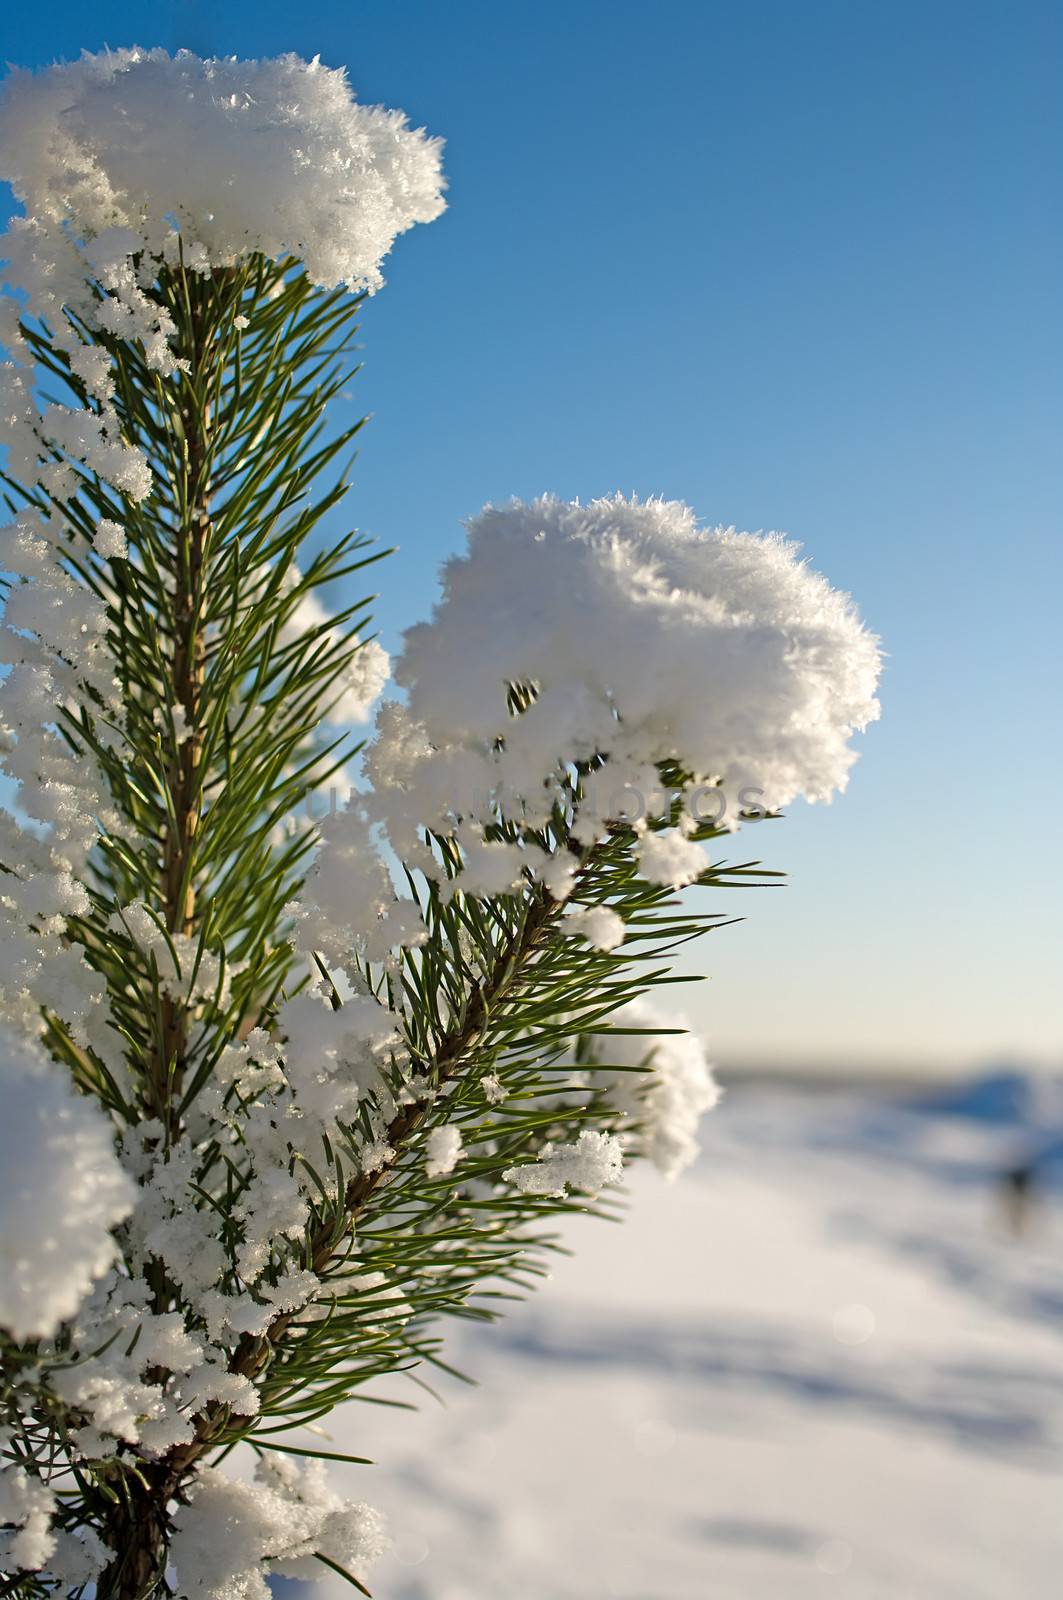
<point>822,1365</point>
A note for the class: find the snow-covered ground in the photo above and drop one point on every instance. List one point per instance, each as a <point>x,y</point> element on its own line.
<point>821,1364</point>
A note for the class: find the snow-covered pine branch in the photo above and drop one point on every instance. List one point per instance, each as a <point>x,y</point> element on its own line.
<point>273,1106</point>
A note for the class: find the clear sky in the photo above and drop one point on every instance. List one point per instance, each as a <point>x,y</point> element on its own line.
<point>800,265</point>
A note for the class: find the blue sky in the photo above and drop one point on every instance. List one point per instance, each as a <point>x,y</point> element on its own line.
<point>800,266</point>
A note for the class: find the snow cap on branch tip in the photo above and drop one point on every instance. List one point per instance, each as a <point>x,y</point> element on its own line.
<point>272,156</point>
<point>644,637</point>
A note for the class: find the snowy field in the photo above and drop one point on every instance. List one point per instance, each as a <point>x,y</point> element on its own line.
<point>823,1364</point>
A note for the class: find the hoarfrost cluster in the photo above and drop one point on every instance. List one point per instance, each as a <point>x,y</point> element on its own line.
<point>666,1100</point>
<point>233,1535</point>
<point>593,1162</point>
<point>63,1191</point>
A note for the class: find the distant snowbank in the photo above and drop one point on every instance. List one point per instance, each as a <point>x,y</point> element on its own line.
<point>824,1365</point>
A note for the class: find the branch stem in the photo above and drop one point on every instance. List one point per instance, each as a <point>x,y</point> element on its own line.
<point>189,657</point>
<point>138,1521</point>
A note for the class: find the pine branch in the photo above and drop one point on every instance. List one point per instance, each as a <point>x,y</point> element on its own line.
<point>308,1115</point>
<point>456,1051</point>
